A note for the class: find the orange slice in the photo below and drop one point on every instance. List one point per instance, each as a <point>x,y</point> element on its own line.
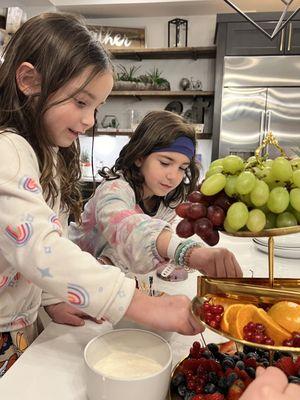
<point>287,315</point>
<point>241,319</point>
<point>229,316</point>
<point>224,301</point>
<point>273,330</point>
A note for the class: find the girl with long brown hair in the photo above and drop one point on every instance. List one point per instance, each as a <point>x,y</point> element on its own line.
<point>128,222</point>
<point>53,78</point>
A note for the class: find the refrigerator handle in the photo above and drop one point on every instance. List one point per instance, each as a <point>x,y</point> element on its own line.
<point>281,40</point>
<point>290,36</point>
<point>262,122</point>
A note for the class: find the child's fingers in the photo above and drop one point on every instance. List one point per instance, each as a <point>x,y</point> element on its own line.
<point>73,319</point>
<point>274,378</point>
<point>293,391</point>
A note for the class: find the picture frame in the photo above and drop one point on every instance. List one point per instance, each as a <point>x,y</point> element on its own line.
<point>113,37</point>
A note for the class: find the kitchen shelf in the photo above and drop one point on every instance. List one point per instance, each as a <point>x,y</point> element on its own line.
<point>162,93</point>
<point>128,132</point>
<point>172,53</point>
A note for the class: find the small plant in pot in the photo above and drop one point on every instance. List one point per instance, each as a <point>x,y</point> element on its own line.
<point>126,79</point>
<point>157,81</point>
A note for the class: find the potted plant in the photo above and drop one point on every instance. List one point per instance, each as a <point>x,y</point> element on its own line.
<point>126,79</point>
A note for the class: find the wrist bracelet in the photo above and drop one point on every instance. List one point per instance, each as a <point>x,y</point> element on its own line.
<point>180,251</point>
<point>188,254</point>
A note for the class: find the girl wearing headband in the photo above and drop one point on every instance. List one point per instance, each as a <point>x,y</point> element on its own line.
<point>128,222</point>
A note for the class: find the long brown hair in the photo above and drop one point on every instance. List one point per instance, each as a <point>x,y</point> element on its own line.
<point>157,129</point>
<point>60,47</point>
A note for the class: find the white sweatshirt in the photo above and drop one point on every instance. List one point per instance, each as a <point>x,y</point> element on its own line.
<point>35,255</point>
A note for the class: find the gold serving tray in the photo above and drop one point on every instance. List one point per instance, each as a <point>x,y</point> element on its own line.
<point>198,301</point>
<point>266,233</point>
<point>252,290</point>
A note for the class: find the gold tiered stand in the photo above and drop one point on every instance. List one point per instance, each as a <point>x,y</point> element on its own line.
<point>253,290</point>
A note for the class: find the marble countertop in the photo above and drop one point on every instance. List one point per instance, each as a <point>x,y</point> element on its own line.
<point>53,366</point>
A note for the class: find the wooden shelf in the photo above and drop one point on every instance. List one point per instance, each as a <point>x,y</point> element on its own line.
<point>165,53</point>
<point>128,132</point>
<point>162,93</point>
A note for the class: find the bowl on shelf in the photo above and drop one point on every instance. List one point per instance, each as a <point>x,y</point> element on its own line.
<point>128,361</point>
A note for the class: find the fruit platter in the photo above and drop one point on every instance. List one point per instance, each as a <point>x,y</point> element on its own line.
<point>223,372</point>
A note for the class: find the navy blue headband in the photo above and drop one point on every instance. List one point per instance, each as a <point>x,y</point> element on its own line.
<point>182,144</point>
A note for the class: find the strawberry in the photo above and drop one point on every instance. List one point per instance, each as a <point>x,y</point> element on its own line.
<point>214,396</point>
<point>287,365</point>
<point>199,397</point>
<point>236,389</point>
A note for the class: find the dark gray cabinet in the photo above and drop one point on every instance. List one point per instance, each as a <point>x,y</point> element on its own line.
<point>244,39</point>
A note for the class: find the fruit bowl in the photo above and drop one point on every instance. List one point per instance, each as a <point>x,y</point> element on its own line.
<point>197,311</point>
<point>266,232</point>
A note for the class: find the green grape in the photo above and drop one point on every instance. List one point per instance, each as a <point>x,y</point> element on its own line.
<point>217,163</point>
<point>274,184</point>
<point>295,163</point>
<point>285,219</point>
<point>245,198</point>
<point>295,213</point>
<point>278,200</point>
<point>260,194</point>
<point>227,227</point>
<point>282,169</point>
<point>295,198</point>
<point>296,177</point>
<point>270,220</point>
<point>267,175</point>
<point>213,184</point>
<point>237,215</point>
<point>233,164</point>
<point>268,162</point>
<point>251,159</point>
<point>230,188</point>
<point>256,220</point>
<point>259,172</point>
<point>245,182</point>
<point>213,170</point>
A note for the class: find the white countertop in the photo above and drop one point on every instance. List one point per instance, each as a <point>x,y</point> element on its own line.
<point>53,367</point>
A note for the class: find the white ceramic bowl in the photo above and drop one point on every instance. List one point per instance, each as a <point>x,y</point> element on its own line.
<point>102,386</point>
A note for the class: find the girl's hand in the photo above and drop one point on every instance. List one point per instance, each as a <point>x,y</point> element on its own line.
<point>215,262</point>
<point>64,313</point>
<point>166,313</point>
<point>271,384</point>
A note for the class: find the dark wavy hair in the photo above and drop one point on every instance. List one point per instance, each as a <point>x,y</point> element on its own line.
<point>157,129</point>
<point>60,47</point>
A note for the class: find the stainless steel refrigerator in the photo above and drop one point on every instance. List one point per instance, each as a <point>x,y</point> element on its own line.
<point>260,94</point>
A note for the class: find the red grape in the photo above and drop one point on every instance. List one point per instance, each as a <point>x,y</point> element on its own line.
<point>181,209</point>
<point>223,201</point>
<point>197,197</point>
<point>185,228</point>
<point>212,238</point>
<point>196,211</point>
<point>216,215</point>
<point>202,226</point>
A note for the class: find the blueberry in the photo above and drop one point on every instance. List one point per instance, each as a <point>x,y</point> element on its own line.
<point>213,348</point>
<point>210,388</point>
<point>248,349</point>
<point>264,362</point>
<point>222,385</point>
<point>240,365</point>
<point>182,389</point>
<point>227,363</point>
<point>178,379</point>
<point>252,355</point>
<point>220,356</point>
<point>206,354</point>
<point>240,355</point>
<point>294,379</point>
<point>189,395</point>
<point>251,372</point>
<point>231,378</point>
<point>212,377</point>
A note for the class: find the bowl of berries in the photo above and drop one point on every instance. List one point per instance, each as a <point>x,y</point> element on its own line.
<point>222,372</point>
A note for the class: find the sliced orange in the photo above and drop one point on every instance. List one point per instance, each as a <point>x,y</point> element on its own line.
<point>243,316</point>
<point>287,315</point>
<point>224,301</point>
<point>229,316</point>
<point>273,330</point>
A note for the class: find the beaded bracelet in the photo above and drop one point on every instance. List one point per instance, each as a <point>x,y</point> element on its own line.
<point>182,253</point>
<point>188,254</point>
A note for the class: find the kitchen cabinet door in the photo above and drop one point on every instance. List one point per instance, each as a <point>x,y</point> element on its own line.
<point>244,39</point>
<point>242,120</point>
<point>292,39</point>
